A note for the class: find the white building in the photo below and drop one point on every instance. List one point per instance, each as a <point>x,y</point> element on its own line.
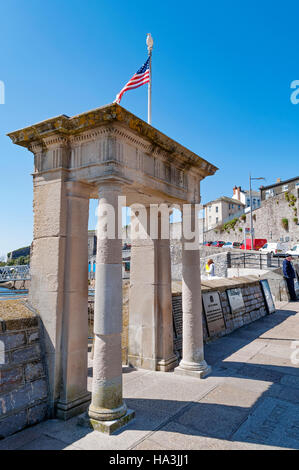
<point>243,196</point>
<point>221,210</point>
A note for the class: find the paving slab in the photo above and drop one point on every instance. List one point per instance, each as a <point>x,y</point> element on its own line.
<point>213,420</point>
<point>274,422</point>
<point>250,401</point>
<point>176,436</point>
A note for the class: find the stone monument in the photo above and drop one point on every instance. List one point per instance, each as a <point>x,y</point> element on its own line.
<point>104,154</point>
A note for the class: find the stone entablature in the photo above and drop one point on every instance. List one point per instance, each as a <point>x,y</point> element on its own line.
<point>112,141</point>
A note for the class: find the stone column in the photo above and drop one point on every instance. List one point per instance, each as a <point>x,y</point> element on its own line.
<point>108,411</point>
<point>74,397</point>
<point>192,362</point>
<point>47,264</point>
<point>150,319</point>
<point>58,287</point>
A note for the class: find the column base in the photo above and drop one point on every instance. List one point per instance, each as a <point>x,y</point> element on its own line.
<point>106,427</point>
<point>165,365</point>
<point>193,369</point>
<point>142,362</point>
<point>70,409</point>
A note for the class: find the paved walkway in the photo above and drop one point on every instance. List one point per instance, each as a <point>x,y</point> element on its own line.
<point>251,400</point>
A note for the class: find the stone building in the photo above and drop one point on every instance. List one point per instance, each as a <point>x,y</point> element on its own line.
<point>280,187</point>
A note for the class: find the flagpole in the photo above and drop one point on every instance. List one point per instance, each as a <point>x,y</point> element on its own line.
<point>150,43</point>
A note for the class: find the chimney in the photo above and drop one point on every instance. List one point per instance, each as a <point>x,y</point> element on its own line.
<point>278,180</point>
<point>238,192</point>
<point>234,190</point>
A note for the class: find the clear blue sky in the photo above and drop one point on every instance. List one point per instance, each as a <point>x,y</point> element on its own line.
<point>221,83</point>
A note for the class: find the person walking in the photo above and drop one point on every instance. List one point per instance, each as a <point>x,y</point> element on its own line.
<point>210,268</point>
<point>289,275</point>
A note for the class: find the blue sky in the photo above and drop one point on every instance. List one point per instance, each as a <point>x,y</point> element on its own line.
<point>221,84</point>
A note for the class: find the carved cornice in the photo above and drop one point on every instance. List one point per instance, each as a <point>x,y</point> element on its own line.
<point>128,126</point>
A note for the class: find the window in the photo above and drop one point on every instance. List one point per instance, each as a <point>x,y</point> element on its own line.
<point>239,207</point>
<point>269,193</point>
<point>216,220</point>
<point>216,208</point>
<point>285,187</point>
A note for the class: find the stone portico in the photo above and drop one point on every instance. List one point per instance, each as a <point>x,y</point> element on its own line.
<point>104,154</point>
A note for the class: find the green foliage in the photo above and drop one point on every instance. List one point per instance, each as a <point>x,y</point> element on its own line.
<point>230,225</point>
<point>240,229</point>
<point>243,217</point>
<point>285,223</point>
<point>295,219</point>
<point>22,260</point>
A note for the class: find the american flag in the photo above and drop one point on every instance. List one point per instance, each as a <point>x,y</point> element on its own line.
<point>141,77</point>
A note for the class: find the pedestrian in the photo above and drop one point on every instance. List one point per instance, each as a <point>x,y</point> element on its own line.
<point>289,275</point>
<point>210,268</point>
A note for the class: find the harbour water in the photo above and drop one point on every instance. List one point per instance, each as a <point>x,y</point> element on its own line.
<point>6,294</point>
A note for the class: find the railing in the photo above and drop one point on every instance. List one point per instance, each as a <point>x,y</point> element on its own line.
<point>14,273</point>
<point>254,260</point>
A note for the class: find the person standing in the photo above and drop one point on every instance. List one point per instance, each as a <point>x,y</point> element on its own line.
<point>210,268</point>
<point>289,275</point>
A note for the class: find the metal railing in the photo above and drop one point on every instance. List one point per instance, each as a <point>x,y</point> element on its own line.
<point>255,260</point>
<point>14,273</point>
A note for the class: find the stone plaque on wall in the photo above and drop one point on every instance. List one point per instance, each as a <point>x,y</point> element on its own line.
<point>235,298</point>
<point>177,324</point>
<point>213,312</point>
<point>267,296</point>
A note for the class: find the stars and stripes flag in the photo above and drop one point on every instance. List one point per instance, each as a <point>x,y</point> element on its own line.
<point>141,77</point>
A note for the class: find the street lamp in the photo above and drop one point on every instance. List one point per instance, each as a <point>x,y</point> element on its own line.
<point>250,196</point>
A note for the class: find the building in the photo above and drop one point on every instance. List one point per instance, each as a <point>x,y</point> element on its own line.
<point>280,187</point>
<point>244,196</point>
<point>221,210</point>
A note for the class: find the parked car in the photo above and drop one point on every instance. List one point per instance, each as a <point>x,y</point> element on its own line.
<point>208,243</point>
<point>274,248</point>
<point>228,245</point>
<point>219,244</point>
<point>231,245</point>
<point>293,251</point>
<point>257,243</point>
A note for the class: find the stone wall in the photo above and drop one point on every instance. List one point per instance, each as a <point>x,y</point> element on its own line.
<point>254,308</point>
<point>267,223</point>
<point>217,254</point>
<point>23,384</point>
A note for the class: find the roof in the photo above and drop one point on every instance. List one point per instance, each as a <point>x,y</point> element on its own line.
<point>279,183</point>
<point>108,114</point>
<point>225,199</point>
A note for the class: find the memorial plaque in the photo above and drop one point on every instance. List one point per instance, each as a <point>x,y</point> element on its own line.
<point>177,316</point>
<point>235,298</point>
<point>213,312</point>
<point>267,295</point>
